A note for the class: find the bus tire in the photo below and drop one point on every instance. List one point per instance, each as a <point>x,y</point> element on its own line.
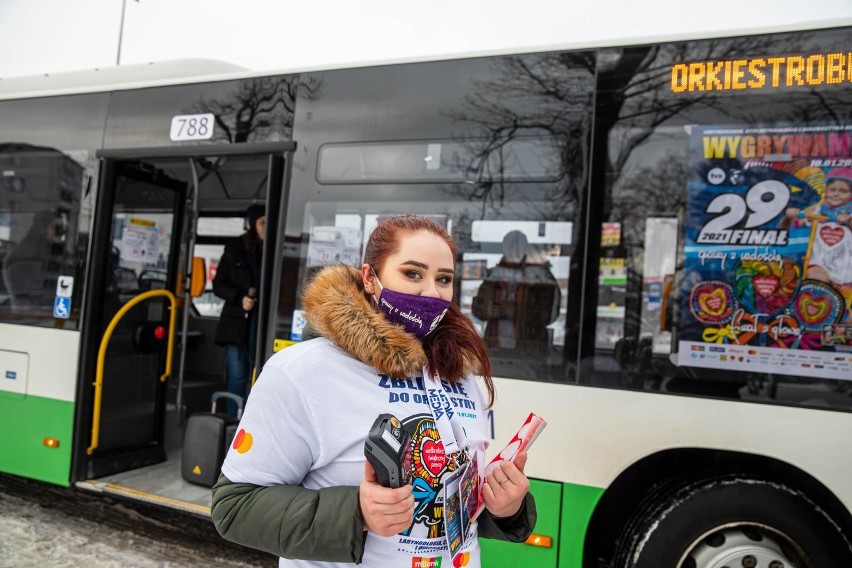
<point>721,521</point>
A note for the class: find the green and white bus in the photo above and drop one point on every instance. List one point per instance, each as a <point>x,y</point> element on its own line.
<point>648,241</point>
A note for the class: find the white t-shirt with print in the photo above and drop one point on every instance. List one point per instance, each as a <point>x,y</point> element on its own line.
<point>307,418</point>
<point>832,250</point>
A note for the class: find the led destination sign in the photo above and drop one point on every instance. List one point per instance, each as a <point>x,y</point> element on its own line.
<point>762,73</point>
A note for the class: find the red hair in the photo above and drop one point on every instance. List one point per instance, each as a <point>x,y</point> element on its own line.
<point>446,346</point>
<point>385,238</point>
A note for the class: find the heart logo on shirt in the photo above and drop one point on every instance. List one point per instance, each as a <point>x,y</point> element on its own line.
<point>831,235</point>
<point>433,456</point>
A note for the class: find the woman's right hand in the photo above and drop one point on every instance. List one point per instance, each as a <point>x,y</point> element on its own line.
<point>386,511</point>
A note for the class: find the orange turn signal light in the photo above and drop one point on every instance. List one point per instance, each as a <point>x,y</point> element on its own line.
<point>51,442</point>
<point>540,540</point>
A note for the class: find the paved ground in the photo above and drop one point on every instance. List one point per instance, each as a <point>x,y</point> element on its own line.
<point>43,526</point>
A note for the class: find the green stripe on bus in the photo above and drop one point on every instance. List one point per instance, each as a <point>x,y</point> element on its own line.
<point>578,504</point>
<point>27,421</point>
<point>501,554</point>
<point>564,511</point>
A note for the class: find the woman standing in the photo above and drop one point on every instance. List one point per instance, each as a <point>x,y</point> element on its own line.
<point>295,482</point>
<point>237,281</point>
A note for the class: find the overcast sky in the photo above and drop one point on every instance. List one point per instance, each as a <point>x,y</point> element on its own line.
<point>47,36</point>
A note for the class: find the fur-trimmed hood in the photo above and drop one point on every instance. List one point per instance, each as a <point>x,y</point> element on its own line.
<point>337,308</point>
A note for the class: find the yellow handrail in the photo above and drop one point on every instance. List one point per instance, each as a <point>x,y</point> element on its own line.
<point>99,375</point>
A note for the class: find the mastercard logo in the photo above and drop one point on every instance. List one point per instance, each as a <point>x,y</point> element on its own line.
<point>461,559</point>
<point>242,441</point>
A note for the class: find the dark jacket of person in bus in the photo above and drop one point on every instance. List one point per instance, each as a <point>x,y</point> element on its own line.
<point>237,281</point>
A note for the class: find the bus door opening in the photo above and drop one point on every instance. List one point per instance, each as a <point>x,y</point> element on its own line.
<point>138,227</point>
<point>157,215</point>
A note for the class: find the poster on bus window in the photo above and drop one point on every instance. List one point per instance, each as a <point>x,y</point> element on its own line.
<point>768,264</point>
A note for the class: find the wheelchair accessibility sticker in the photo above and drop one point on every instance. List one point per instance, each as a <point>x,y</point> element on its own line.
<point>62,307</point>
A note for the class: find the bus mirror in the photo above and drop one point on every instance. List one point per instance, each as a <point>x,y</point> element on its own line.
<point>198,277</point>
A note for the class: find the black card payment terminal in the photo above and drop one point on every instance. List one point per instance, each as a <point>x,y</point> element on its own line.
<point>387,450</point>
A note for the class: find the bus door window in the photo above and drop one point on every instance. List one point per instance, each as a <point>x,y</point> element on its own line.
<point>141,247</point>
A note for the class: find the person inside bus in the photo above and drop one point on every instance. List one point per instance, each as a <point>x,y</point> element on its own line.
<point>295,482</point>
<point>518,298</point>
<point>237,281</point>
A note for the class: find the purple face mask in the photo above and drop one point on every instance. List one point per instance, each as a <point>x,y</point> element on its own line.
<point>419,315</point>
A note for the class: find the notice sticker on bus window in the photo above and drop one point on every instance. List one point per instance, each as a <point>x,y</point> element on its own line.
<point>299,322</point>
<point>140,241</point>
<point>192,127</point>
<point>64,286</point>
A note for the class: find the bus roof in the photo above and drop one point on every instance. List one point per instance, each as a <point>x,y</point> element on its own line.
<point>118,77</point>
<point>195,70</point>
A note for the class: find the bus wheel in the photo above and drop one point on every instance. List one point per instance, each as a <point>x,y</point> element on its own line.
<point>732,521</point>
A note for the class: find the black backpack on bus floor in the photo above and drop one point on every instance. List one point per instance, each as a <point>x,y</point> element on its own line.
<point>206,440</point>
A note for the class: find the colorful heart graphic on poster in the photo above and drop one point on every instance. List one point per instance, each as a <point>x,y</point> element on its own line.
<point>817,304</point>
<point>712,302</point>
<point>813,308</point>
<point>765,284</point>
<point>831,235</point>
<point>766,287</point>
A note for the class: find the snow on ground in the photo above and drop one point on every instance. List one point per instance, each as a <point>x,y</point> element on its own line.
<point>44,526</point>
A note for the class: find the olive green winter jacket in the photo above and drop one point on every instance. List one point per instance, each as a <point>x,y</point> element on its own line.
<point>325,524</point>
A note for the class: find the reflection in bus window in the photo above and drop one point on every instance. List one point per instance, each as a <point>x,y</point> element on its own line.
<point>518,298</point>
<point>32,267</point>
<point>520,159</point>
<point>715,298</point>
<point>501,147</point>
<point>660,251</point>
<point>512,277</point>
<point>40,204</point>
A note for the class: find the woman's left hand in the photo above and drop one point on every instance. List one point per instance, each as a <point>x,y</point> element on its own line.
<point>505,487</point>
